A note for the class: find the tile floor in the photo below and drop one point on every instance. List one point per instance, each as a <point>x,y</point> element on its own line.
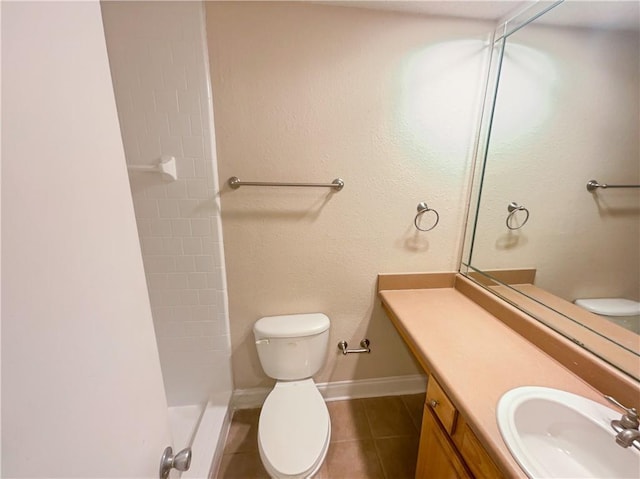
<point>373,438</point>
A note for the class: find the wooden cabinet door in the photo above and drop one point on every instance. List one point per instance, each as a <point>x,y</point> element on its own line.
<point>475,456</point>
<point>437,457</point>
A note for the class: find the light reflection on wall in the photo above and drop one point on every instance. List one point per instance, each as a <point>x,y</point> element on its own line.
<point>567,111</point>
<point>526,92</point>
<point>440,92</point>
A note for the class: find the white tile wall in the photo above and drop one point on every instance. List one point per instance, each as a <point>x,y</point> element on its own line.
<point>158,64</point>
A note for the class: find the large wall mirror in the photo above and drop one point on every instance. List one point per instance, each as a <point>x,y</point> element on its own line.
<point>564,109</point>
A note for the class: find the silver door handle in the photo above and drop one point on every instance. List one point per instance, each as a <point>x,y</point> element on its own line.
<point>181,461</point>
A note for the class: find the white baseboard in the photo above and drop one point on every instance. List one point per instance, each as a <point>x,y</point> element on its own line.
<point>369,388</point>
<point>249,398</point>
<point>340,390</point>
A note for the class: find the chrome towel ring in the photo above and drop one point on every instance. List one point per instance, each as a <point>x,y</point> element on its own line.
<point>422,209</point>
<point>513,208</point>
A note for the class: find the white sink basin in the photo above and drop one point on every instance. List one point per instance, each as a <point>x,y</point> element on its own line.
<point>556,434</point>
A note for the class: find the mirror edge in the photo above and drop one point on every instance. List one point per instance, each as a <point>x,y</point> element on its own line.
<point>509,25</point>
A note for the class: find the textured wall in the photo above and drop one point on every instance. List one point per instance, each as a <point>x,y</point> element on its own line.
<point>158,63</point>
<point>386,101</point>
<point>568,111</point>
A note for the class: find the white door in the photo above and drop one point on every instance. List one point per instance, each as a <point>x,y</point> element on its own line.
<point>82,392</point>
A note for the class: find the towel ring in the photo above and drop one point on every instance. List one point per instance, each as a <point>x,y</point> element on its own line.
<point>422,209</point>
<point>513,208</point>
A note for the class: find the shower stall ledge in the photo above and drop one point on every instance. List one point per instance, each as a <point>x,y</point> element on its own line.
<point>205,430</point>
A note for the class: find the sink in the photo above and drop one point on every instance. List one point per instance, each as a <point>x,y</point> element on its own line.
<point>556,434</point>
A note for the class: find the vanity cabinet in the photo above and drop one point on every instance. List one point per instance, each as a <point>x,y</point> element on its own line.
<point>448,447</point>
<point>437,455</point>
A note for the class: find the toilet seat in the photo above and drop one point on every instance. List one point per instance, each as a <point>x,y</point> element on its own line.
<point>294,430</point>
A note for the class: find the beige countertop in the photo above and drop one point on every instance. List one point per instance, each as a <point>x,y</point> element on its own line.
<point>476,358</point>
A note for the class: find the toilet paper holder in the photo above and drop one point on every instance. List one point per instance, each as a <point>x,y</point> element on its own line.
<point>342,346</point>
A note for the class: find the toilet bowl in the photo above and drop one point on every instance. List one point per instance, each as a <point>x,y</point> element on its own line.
<point>624,312</point>
<point>294,428</point>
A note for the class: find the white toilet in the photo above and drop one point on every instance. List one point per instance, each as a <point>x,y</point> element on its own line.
<point>294,427</point>
<point>623,312</point>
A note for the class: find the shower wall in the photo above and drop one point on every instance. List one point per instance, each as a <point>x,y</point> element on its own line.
<point>159,68</point>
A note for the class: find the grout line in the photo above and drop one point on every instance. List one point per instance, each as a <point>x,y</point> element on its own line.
<point>380,462</point>
<point>413,421</point>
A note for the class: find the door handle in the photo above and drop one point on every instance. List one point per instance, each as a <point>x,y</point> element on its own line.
<point>181,461</point>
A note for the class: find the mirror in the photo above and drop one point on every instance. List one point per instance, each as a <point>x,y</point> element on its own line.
<point>563,109</point>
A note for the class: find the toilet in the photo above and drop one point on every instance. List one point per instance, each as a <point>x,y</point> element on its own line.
<point>624,312</point>
<point>294,426</point>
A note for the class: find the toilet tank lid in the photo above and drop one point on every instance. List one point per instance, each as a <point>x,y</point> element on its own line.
<point>291,325</point>
<point>610,306</point>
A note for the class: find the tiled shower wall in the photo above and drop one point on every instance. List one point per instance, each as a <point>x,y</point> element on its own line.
<point>159,69</point>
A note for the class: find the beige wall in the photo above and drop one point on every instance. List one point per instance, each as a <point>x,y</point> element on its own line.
<point>386,101</point>
<point>568,111</point>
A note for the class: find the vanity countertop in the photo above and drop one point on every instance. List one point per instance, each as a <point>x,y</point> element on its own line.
<point>476,358</point>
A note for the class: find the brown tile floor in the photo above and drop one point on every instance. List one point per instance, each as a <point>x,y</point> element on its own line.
<point>373,438</point>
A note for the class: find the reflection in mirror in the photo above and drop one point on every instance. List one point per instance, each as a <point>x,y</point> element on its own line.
<point>566,111</point>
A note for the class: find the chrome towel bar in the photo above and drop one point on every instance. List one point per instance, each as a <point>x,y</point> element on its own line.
<point>593,185</point>
<point>235,183</point>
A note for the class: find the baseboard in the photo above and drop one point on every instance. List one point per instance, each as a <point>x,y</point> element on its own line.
<point>340,390</point>
<point>368,388</point>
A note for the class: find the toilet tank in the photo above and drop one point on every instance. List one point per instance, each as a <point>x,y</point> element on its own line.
<point>292,347</point>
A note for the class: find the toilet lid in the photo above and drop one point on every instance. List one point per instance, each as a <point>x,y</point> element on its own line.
<point>294,427</point>
<point>610,306</point>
